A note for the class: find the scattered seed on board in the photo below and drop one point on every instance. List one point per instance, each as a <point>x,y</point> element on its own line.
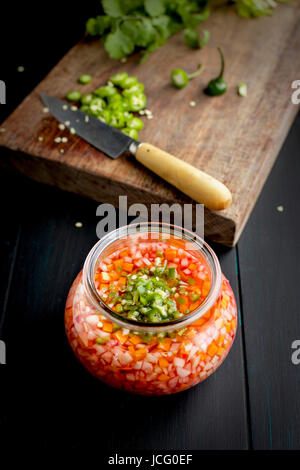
<point>57,140</point>
<point>72,130</point>
<point>64,139</point>
<point>123,60</point>
<point>192,104</point>
<point>46,110</point>
<point>2,129</point>
<point>74,108</point>
<point>86,119</point>
<point>78,224</point>
<point>280,208</point>
<point>65,107</point>
<point>20,68</point>
<point>62,151</point>
<point>61,127</point>
<point>40,139</point>
<point>67,123</point>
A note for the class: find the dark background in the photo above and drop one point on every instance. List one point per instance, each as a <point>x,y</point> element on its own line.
<point>251,402</point>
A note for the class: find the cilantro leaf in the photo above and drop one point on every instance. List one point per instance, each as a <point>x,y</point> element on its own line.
<point>131,5</point>
<point>118,45</point>
<point>146,24</point>
<point>155,7</point>
<point>253,8</point>
<point>161,24</point>
<point>140,30</point>
<point>97,26</point>
<point>192,39</point>
<point>113,8</point>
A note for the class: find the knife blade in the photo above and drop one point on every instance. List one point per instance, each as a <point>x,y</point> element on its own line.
<point>105,138</point>
<point>198,185</point>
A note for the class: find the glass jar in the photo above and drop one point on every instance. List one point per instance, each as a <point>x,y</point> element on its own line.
<point>150,358</point>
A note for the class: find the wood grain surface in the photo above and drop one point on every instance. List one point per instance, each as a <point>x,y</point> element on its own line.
<point>236,140</point>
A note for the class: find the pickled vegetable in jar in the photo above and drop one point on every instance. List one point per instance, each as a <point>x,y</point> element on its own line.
<point>151,312</point>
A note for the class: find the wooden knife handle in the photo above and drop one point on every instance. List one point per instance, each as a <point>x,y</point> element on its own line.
<point>201,187</point>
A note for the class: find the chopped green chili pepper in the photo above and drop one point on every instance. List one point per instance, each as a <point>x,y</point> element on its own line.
<point>128,82</point>
<point>133,133</point>
<point>116,106</point>
<point>117,119</point>
<point>116,98</point>
<point>105,116</point>
<point>118,78</point>
<point>217,86</point>
<point>105,91</point>
<point>84,79</point>
<point>85,108</point>
<point>194,297</point>
<point>73,95</point>
<point>97,105</point>
<point>135,123</point>
<point>101,340</point>
<point>242,89</point>
<point>180,78</point>
<point>87,98</point>
<point>133,89</point>
<point>136,101</point>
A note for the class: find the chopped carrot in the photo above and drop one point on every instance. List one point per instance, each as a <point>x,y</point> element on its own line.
<point>103,286</point>
<point>124,253</point>
<point>163,362</point>
<point>118,263</point>
<point>205,288</point>
<point>212,349</point>
<point>140,353</point>
<point>220,340</point>
<point>135,339</point>
<point>224,301</point>
<point>120,337</point>
<point>163,377</point>
<point>122,281</point>
<point>199,322</point>
<point>192,266</point>
<point>194,305</point>
<point>104,277</point>
<point>170,254</point>
<point>165,345</point>
<point>107,326</point>
<point>128,267</point>
<point>114,275</point>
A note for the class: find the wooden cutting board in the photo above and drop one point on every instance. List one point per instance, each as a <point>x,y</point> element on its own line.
<point>234,139</point>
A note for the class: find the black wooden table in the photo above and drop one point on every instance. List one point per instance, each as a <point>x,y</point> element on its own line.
<point>251,402</point>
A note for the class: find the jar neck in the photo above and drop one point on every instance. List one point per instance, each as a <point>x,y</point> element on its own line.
<point>110,243</point>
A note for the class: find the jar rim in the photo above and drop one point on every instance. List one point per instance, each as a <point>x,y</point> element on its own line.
<point>151,227</point>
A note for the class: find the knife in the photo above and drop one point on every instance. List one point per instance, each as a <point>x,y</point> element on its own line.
<point>198,185</point>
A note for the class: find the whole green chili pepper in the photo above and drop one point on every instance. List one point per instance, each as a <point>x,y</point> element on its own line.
<point>217,86</point>
<point>180,78</point>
